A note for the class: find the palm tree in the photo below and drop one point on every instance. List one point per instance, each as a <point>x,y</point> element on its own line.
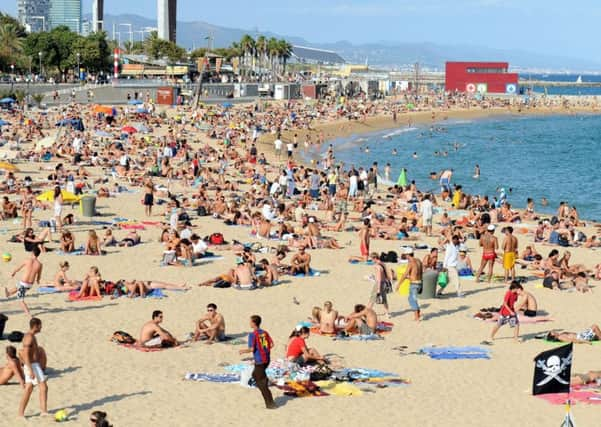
<point>11,45</point>
<point>248,46</point>
<point>285,53</point>
<point>273,52</point>
<point>261,48</point>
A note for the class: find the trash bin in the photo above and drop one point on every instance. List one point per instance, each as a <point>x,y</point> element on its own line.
<point>88,205</point>
<point>429,289</point>
<point>3,320</point>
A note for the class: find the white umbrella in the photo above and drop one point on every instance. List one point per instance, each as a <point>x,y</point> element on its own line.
<point>45,142</point>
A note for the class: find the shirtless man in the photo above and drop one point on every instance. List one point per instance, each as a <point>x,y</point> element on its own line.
<point>211,326</point>
<point>152,335</point>
<point>364,319</point>
<point>528,305</point>
<point>414,272</point>
<point>430,261</point>
<point>489,244</point>
<point>244,278</point>
<point>32,370</point>
<point>327,319</point>
<point>301,262</point>
<point>31,273</point>
<point>510,250</point>
<point>271,276</point>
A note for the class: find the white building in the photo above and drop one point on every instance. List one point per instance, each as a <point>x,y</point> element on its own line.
<point>166,19</point>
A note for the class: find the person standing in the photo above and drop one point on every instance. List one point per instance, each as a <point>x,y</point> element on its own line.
<point>260,345</point>
<point>278,148</point>
<point>427,212</point>
<point>510,249</point>
<point>58,208</point>
<point>34,375</point>
<point>380,279</point>
<point>148,196</point>
<point>489,244</point>
<point>414,272</point>
<point>31,274</point>
<point>450,263</point>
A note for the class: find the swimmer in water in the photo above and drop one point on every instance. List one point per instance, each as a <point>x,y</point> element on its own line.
<point>445,154</point>
<point>414,155</point>
<point>436,154</point>
<point>544,201</point>
<point>477,172</point>
<point>366,149</point>
<point>394,152</point>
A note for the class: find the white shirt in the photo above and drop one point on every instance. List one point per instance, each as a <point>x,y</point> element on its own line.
<point>290,146</point>
<point>450,256</point>
<point>426,209</point>
<point>173,219</point>
<point>167,151</point>
<point>278,144</point>
<point>275,187</point>
<point>283,180</point>
<point>186,233</point>
<point>199,247</point>
<point>267,212</point>
<point>123,160</point>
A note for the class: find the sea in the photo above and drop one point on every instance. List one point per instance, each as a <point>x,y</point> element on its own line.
<point>563,90</point>
<point>552,157</point>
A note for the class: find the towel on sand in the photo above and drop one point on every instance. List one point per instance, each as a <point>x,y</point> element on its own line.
<point>454,353</point>
<point>302,389</point>
<point>213,378</point>
<point>589,397</point>
<point>74,296</point>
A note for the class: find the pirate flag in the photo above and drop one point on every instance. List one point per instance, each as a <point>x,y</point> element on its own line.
<point>552,371</point>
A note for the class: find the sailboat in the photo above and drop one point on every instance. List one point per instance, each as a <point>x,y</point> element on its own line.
<point>579,80</point>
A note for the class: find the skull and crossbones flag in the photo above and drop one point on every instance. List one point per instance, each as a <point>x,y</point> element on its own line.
<point>552,371</point>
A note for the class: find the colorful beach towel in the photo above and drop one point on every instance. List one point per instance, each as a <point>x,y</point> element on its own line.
<point>74,296</point>
<point>48,290</point>
<point>338,389</point>
<point>302,389</point>
<point>455,353</point>
<point>579,396</point>
<point>213,378</point>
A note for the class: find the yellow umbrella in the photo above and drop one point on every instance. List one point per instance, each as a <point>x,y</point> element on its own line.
<point>9,167</point>
<point>48,196</point>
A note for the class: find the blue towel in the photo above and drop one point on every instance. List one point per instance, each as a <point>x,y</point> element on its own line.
<point>361,373</point>
<point>47,290</point>
<point>214,378</point>
<point>312,273</point>
<point>74,253</point>
<point>454,353</point>
<point>155,293</point>
<point>372,337</point>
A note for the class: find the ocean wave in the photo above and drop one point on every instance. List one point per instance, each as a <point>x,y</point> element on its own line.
<point>399,132</point>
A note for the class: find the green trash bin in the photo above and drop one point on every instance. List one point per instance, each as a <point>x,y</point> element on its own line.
<point>88,206</point>
<point>429,288</point>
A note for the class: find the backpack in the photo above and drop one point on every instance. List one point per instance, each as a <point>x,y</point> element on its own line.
<point>201,211</point>
<point>216,239</point>
<point>121,337</point>
<point>15,336</point>
<point>392,257</point>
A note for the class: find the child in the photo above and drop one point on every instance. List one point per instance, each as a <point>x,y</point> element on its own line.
<point>508,313</point>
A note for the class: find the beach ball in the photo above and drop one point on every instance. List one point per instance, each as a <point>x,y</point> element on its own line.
<point>61,416</point>
<point>6,257</point>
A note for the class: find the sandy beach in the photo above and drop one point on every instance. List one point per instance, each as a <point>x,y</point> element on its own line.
<point>88,372</point>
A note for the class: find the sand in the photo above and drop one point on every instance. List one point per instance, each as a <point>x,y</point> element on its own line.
<point>145,389</point>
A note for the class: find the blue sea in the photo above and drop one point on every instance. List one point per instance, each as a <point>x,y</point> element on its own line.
<point>556,157</point>
<point>563,90</point>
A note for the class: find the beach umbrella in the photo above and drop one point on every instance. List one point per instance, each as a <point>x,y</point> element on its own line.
<point>9,167</point>
<point>104,109</point>
<point>45,142</point>
<point>135,102</point>
<point>402,181</point>
<point>4,123</point>
<point>227,105</point>
<point>6,101</point>
<point>129,129</point>
<point>48,196</point>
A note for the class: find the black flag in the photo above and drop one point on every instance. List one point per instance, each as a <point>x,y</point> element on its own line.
<point>552,371</point>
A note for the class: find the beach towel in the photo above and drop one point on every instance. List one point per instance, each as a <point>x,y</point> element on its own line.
<point>579,396</point>
<point>76,252</point>
<point>131,226</point>
<point>213,378</point>
<point>521,318</point>
<point>74,296</point>
<point>372,337</point>
<point>143,349</point>
<point>301,389</point>
<point>312,273</point>
<point>338,389</point>
<point>354,261</point>
<point>48,290</point>
<point>454,353</point>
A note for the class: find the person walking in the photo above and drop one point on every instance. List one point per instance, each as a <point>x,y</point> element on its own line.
<point>260,345</point>
<point>450,263</point>
<point>414,273</point>
<point>34,375</point>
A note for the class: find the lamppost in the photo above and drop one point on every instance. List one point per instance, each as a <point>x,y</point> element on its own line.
<point>40,55</point>
<point>78,67</point>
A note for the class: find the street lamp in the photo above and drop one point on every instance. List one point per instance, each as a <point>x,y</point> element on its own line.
<point>40,55</point>
<point>78,67</point>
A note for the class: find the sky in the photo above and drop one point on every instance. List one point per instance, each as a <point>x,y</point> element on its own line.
<point>552,27</point>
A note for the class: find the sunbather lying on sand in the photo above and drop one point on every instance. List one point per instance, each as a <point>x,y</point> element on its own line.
<point>586,336</point>
<point>591,377</point>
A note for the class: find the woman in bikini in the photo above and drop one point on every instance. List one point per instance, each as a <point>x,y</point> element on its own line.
<point>67,242</point>
<point>93,244</point>
<point>91,284</point>
<point>61,281</point>
<point>12,368</point>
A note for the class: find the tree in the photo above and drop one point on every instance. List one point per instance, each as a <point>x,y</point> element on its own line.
<point>285,53</point>
<point>7,19</point>
<point>11,45</point>
<point>248,46</point>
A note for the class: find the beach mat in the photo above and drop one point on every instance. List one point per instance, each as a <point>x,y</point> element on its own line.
<point>578,396</point>
<point>73,296</point>
<point>456,353</point>
<point>334,388</point>
<point>48,290</point>
<point>213,378</point>
<point>372,337</point>
<point>302,389</point>
<point>355,262</point>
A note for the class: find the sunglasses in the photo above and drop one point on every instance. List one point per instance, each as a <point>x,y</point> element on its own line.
<point>210,309</point>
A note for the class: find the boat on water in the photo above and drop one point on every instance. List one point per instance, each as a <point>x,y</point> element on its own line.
<point>579,80</point>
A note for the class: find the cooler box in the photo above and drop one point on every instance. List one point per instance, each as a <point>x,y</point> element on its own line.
<point>404,287</point>
<point>430,278</point>
<point>88,206</point>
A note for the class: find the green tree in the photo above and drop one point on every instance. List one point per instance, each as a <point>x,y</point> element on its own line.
<point>7,19</point>
<point>11,45</point>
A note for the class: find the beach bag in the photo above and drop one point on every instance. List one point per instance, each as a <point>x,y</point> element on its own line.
<point>392,257</point>
<point>216,239</point>
<point>443,279</point>
<point>121,337</point>
<point>3,320</point>
<point>321,373</point>
<point>246,377</point>
<point>201,211</point>
<point>15,336</point>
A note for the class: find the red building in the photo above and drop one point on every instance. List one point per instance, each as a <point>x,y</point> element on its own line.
<point>481,77</point>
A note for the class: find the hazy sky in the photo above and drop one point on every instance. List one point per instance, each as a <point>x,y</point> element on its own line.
<point>551,26</point>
